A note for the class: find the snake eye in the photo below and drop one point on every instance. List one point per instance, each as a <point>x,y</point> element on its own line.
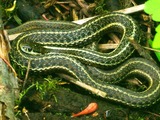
<point>26,49</point>
<point>29,49</point>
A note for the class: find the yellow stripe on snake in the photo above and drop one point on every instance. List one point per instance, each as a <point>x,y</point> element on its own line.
<point>48,47</point>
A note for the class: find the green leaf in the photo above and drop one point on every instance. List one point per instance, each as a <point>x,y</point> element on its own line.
<point>158,55</point>
<point>156,41</point>
<point>158,29</point>
<point>152,7</point>
<point>150,42</point>
<point>156,15</point>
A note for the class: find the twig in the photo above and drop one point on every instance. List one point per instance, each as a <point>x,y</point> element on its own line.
<point>132,9</point>
<point>125,11</point>
<point>140,50</point>
<point>107,46</point>
<point>83,85</point>
<point>133,2</point>
<point>26,76</point>
<point>151,49</point>
<point>114,37</point>
<point>157,115</point>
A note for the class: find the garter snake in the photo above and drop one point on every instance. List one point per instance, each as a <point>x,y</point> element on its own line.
<point>56,49</point>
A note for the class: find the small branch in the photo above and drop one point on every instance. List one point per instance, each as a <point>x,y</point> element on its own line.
<point>107,46</point>
<point>83,85</point>
<point>142,52</point>
<point>27,73</point>
<point>132,9</point>
<point>125,11</point>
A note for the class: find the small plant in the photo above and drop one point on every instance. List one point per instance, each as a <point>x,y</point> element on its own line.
<point>23,93</point>
<point>152,7</point>
<point>49,84</point>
